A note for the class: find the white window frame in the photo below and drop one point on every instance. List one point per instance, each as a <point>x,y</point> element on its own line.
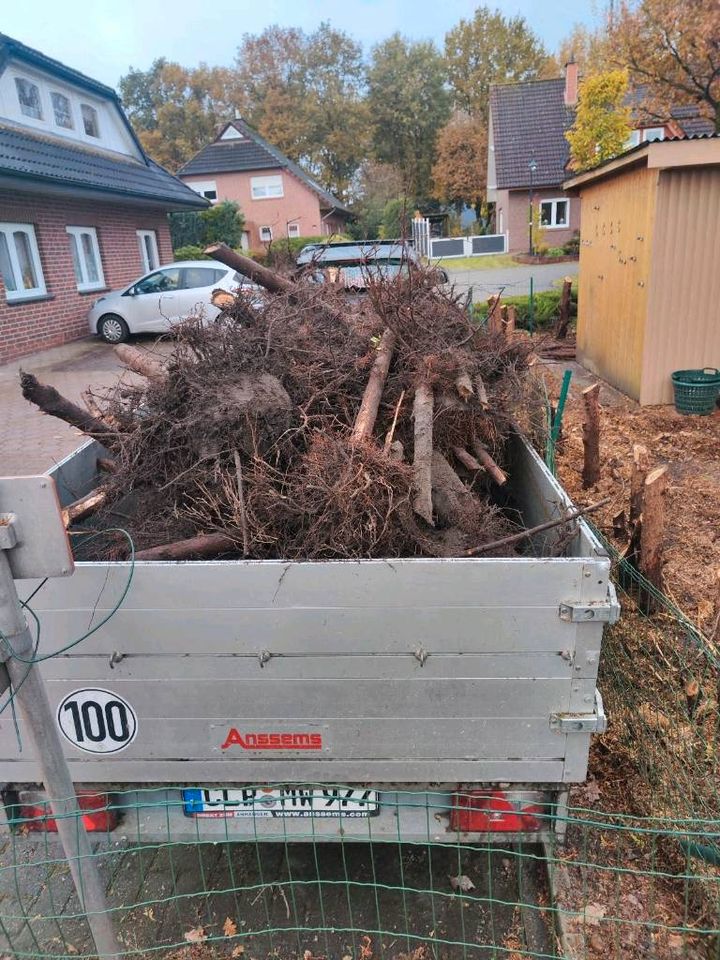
<point>293,230</point>
<point>96,112</point>
<point>267,188</point>
<point>34,83</point>
<point>142,236</point>
<point>83,282</point>
<point>266,239</point>
<point>553,225</point>
<point>203,187</point>
<point>13,296</point>
<point>59,93</point>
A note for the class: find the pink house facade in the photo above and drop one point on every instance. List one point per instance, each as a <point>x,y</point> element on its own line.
<point>278,198</point>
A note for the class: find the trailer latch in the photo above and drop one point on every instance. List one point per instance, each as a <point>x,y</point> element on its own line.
<point>601,611</point>
<point>595,722</point>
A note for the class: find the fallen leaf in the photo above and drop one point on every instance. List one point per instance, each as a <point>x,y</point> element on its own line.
<point>197,935</point>
<point>594,913</point>
<point>149,913</point>
<point>238,951</point>
<point>366,950</point>
<point>462,883</point>
<point>592,791</point>
<point>229,927</point>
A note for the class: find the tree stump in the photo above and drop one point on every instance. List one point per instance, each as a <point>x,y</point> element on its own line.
<point>652,534</point>
<point>591,436</point>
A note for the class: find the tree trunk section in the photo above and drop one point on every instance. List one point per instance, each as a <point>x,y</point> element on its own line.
<point>205,545</point>
<point>641,465</point>
<point>55,405</point>
<point>483,455</point>
<point>84,507</point>
<point>591,436</point>
<point>450,495</point>
<point>249,268</point>
<point>422,452</point>
<point>565,301</point>
<point>139,361</point>
<point>652,534</point>
<point>370,404</point>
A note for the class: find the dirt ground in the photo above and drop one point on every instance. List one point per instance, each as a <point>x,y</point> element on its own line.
<point>689,446</point>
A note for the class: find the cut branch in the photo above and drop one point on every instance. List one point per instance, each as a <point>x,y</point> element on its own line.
<point>652,535</point>
<point>483,455</point>
<point>54,404</point>
<point>206,545</point>
<point>531,531</point>
<point>249,268</point>
<point>84,507</point>
<point>139,361</point>
<point>591,436</point>
<point>641,465</point>
<point>422,452</point>
<point>370,404</point>
<point>241,504</point>
<point>391,432</point>
<point>467,459</point>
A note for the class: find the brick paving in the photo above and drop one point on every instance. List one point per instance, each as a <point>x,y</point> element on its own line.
<point>31,442</point>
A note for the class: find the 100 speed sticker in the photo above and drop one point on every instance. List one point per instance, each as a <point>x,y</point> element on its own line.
<point>97,721</point>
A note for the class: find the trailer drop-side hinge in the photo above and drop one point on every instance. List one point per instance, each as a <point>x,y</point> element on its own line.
<point>581,722</point>
<point>601,611</point>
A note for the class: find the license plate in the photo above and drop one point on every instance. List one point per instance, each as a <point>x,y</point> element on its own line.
<point>280,802</point>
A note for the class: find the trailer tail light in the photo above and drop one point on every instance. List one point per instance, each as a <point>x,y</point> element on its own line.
<point>495,811</point>
<point>35,812</point>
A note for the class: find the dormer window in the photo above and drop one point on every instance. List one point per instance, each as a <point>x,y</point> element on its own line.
<point>90,120</point>
<point>62,110</point>
<point>29,98</point>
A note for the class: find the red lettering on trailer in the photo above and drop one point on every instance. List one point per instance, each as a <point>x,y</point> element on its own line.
<point>273,741</point>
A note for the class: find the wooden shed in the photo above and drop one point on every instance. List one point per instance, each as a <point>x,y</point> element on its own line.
<point>649,287</point>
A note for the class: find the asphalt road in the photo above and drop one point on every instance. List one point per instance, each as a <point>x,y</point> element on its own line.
<point>513,281</point>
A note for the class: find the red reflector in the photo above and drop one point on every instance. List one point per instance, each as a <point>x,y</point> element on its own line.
<point>488,811</point>
<point>96,816</point>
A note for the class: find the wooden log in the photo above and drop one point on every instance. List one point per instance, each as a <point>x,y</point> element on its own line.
<point>494,320</point>
<point>483,455</point>
<point>591,436</point>
<point>641,465</point>
<point>84,507</point>
<point>370,404</point>
<point>54,404</point>
<point>204,545</point>
<point>139,361</point>
<point>467,459</point>
<point>450,495</point>
<point>510,321</point>
<point>387,446</point>
<point>249,268</point>
<point>422,452</point>
<point>564,317</point>
<point>222,299</point>
<point>463,385</point>
<point>652,535</point>
<point>481,392</point>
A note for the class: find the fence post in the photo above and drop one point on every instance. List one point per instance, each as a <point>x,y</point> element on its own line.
<point>531,306</point>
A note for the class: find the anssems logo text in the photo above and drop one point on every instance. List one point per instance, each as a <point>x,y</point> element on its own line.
<point>273,741</point>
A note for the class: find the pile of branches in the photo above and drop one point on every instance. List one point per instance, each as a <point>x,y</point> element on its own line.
<point>303,424</point>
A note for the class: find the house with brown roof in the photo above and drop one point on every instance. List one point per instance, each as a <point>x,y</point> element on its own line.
<point>528,154</point>
<point>276,196</point>
<point>83,209</point>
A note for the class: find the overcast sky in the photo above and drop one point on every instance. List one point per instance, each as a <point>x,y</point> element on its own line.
<point>104,38</point>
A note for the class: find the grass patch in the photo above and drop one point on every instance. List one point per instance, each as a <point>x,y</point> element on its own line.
<point>488,262</point>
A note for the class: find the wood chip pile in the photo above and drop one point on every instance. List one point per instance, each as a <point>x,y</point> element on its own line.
<point>303,424</point>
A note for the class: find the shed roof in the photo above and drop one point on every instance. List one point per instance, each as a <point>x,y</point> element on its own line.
<point>529,121</point>
<point>250,151</point>
<point>698,151</point>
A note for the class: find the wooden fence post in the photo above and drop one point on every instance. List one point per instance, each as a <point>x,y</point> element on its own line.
<point>652,533</point>
<point>641,465</point>
<point>565,301</point>
<point>591,436</point>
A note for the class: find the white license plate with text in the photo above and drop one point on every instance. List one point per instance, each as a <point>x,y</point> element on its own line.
<point>280,802</point>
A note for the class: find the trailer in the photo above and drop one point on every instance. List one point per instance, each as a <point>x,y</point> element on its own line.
<point>442,699</point>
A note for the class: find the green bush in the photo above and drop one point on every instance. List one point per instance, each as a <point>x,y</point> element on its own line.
<point>186,229</point>
<point>190,252</point>
<point>572,247</point>
<point>555,252</point>
<point>546,308</point>
<point>223,223</point>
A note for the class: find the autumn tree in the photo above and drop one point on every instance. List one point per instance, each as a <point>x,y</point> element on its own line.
<point>587,47</point>
<point>460,171</point>
<point>175,110</point>
<point>602,122</point>
<point>492,48</point>
<point>409,104</point>
<point>672,49</point>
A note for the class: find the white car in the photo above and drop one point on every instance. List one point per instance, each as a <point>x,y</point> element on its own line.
<point>162,298</point>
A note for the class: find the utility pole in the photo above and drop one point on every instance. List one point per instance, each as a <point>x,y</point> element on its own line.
<point>34,543</point>
<point>532,166</point>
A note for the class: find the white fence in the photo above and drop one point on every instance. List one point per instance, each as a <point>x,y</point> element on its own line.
<point>446,247</point>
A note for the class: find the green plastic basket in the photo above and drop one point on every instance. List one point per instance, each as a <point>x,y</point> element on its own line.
<point>696,391</point>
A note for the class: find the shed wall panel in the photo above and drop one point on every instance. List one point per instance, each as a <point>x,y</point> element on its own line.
<point>615,257</point>
<point>683,322</point>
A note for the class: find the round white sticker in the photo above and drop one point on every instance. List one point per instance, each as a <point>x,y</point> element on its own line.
<point>97,721</point>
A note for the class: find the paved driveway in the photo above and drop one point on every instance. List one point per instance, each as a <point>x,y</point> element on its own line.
<point>31,442</point>
<point>514,281</point>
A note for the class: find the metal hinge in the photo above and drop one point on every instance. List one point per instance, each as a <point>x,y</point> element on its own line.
<point>600,611</point>
<point>581,722</point>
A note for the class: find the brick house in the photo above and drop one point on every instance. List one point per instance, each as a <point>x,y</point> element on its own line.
<point>82,208</point>
<point>528,153</point>
<point>276,196</point>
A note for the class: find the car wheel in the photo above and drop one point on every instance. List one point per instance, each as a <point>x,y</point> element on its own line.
<point>113,328</point>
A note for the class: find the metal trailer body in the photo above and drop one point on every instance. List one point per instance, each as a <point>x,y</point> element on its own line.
<point>410,675</point>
